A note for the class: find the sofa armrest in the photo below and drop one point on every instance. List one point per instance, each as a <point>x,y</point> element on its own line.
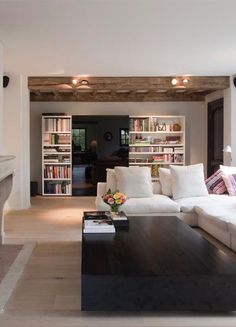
<point>101,189</point>
<point>100,204</point>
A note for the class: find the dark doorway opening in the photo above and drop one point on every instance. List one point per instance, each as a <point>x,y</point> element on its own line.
<point>98,143</point>
<point>215,135</point>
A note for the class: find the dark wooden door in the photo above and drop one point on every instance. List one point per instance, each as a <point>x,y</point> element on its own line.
<point>215,135</point>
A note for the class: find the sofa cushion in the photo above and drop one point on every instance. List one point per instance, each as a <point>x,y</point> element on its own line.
<point>225,214</point>
<point>188,181</point>
<point>230,183</point>
<point>135,182</point>
<point>214,221</point>
<point>156,204</point>
<point>212,200</point>
<point>215,183</point>
<point>166,181</point>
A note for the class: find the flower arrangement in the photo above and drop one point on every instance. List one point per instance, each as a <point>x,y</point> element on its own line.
<point>114,199</point>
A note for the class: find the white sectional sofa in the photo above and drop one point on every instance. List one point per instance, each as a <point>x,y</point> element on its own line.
<point>216,214</point>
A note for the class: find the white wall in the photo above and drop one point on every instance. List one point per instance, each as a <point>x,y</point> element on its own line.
<point>16,120</point>
<point>1,101</point>
<point>194,112</point>
<point>233,120</point>
<point>229,96</point>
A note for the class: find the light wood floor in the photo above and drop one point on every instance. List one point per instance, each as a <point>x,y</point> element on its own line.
<point>48,293</point>
<point>48,219</point>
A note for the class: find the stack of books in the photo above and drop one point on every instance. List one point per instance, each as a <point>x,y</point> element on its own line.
<point>104,221</point>
<point>99,224</point>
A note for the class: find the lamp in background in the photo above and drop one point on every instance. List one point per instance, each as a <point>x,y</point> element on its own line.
<point>227,149</point>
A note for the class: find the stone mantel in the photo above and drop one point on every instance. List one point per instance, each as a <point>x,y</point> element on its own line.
<point>6,178</point>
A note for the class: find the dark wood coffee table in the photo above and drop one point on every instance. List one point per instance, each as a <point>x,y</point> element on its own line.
<point>159,264</point>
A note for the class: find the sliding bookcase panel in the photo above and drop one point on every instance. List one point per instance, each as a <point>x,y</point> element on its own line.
<point>56,155</point>
<point>157,141</point>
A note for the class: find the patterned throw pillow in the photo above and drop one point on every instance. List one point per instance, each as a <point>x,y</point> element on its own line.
<point>230,182</point>
<point>215,183</point>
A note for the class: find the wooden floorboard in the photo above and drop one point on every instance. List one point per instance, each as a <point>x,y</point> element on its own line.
<point>48,293</point>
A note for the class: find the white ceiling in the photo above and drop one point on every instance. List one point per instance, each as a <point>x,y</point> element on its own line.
<point>119,37</point>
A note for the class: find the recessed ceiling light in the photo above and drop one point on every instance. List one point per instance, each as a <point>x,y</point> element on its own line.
<point>174,81</point>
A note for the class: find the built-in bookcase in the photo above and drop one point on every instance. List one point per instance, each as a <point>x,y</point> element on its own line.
<point>56,155</point>
<point>157,141</point>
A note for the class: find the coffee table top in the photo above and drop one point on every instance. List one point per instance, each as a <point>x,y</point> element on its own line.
<point>153,246</point>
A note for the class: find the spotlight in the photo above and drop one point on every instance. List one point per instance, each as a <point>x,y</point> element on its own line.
<point>174,81</point>
<point>185,81</point>
<point>74,81</point>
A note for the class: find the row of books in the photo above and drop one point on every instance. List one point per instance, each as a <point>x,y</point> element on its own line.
<point>57,149</point>
<point>139,139</point>
<point>171,158</point>
<point>57,171</point>
<point>156,149</point>
<point>56,158</point>
<point>153,124</point>
<point>56,138</point>
<point>167,158</point>
<point>57,188</point>
<point>57,124</point>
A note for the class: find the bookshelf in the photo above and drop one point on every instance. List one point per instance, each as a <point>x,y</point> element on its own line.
<point>157,141</point>
<point>56,155</point>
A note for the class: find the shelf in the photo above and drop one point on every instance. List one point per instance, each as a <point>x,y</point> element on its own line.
<point>57,164</point>
<point>156,152</point>
<point>57,194</point>
<point>159,144</point>
<point>56,116</point>
<point>51,145</point>
<point>59,153</point>
<point>157,132</point>
<point>56,179</point>
<point>159,117</point>
<point>155,163</point>
<point>56,132</point>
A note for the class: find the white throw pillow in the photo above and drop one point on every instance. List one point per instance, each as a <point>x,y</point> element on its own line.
<point>111,180</point>
<point>228,170</point>
<point>188,181</point>
<point>135,182</point>
<point>166,181</point>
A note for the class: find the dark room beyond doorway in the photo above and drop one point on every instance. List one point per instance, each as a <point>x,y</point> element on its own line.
<point>98,143</point>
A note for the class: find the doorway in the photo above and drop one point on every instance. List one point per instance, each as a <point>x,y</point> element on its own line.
<point>215,135</point>
<point>98,143</point>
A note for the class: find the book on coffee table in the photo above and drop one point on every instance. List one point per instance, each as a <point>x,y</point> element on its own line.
<point>118,219</point>
<point>98,226</point>
<point>96,214</point>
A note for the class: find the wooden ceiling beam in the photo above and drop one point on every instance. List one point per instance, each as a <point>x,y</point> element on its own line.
<point>114,97</point>
<point>132,83</point>
<point>133,89</point>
